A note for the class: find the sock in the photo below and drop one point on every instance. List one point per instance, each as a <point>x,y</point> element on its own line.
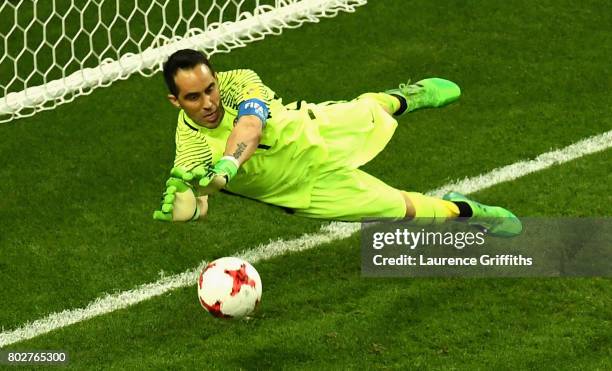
<point>403,105</point>
<point>435,209</point>
<point>388,102</point>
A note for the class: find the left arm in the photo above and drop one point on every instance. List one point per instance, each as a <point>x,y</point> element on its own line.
<point>240,146</point>
<point>252,99</point>
<point>244,139</point>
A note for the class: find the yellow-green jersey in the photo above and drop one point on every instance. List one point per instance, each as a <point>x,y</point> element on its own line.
<point>283,169</point>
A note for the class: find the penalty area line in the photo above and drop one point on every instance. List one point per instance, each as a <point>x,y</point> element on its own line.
<point>328,233</point>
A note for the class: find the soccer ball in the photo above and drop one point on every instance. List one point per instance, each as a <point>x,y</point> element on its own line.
<point>229,287</point>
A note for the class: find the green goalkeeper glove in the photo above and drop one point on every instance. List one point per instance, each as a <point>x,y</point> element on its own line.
<point>185,211</point>
<point>213,179</point>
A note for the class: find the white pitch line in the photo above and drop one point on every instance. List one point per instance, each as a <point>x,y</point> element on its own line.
<point>328,233</point>
<point>504,174</point>
<point>112,302</point>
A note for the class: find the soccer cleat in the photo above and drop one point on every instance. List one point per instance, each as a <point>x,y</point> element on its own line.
<point>494,220</point>
<point>432,92</point>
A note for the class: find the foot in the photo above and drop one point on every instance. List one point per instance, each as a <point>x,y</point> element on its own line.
<point>432,92</point>
<point>494,220</point>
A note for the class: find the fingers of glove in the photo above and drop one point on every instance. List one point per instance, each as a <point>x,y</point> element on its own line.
<point>181,173</point>
<point>169,198</point>
<point>218,180</point>
<point>170,190</point>
<point>167,208</point>
<point>199,172</point>
<point>179,184</point>
<point>159,215</point>
<point>204,181</point>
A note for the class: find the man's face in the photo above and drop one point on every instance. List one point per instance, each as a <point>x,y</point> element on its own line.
<point>198,95</point>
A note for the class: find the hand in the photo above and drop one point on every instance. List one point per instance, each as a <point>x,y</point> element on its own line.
<point>213,184</point>
<point>178,203</point>
<point>208,181</point>
<point>196,173</point>
<point>216,179</point>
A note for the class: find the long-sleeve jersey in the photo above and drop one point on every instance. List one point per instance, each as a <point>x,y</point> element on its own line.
<point>283,169</point>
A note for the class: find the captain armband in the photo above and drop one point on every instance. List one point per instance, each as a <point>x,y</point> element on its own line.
<point>255,107</point>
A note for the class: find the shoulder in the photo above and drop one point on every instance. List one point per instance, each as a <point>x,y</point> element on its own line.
<point>237,86</point>
<point>237,77</point>
<point>185,128</point>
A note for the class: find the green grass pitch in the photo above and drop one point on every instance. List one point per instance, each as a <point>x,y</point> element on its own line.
<point>79,184</point>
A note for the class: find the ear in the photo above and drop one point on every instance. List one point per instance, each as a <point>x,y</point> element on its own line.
<point>174,101</point>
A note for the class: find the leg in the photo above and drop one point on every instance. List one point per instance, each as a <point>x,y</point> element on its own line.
<point>495,220</point>
<point>351,195</point>
<point>390,103</point>
<point>422,206</point>
<point>354,132</point>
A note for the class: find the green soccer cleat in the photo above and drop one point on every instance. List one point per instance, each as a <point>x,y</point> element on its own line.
<point>432,92</point>
<point>494,220</point>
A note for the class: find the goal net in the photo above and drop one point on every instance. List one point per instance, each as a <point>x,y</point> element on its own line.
<point>56,50</point>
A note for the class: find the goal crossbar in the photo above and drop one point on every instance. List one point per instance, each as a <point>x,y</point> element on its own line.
<point>218,37</point>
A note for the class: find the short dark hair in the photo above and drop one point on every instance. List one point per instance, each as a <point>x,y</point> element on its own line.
<point>183,59</point>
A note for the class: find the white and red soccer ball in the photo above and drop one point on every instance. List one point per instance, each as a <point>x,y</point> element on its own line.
<point>229,287</point>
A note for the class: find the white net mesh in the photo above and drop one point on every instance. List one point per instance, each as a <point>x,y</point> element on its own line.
<point>56,50</point>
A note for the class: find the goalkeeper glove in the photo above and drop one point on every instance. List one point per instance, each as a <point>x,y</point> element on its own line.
<point>178,202</point>
<point>212,179</point>
<point>217,177</point>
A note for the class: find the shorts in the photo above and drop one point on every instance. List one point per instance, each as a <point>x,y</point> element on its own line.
<point>351,195</point>
<point>354,133</point>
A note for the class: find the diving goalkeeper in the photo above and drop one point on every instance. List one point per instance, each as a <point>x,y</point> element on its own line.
<point>234,133</point>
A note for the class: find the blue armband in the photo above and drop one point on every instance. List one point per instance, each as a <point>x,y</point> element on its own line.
<point>255,107</point>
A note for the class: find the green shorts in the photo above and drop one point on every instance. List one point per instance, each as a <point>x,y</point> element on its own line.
<point>355,132</point>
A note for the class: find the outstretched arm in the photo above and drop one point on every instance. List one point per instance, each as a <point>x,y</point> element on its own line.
<point>241,144</point>
<point>244,139</point>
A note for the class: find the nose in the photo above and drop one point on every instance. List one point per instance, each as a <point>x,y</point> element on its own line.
<point>207,103</point>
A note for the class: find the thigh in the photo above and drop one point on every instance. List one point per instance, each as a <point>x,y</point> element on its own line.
<point>352,194</point>
<point>354,132</point>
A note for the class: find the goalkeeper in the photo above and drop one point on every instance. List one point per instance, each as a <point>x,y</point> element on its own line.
<point>234,133</point>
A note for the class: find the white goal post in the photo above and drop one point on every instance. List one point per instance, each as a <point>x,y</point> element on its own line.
<point>56,50</point>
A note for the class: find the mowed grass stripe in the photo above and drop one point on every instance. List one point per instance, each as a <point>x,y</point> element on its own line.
<point>328,233</point>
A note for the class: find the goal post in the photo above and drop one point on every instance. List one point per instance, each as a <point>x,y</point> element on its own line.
<point>56,50</point>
